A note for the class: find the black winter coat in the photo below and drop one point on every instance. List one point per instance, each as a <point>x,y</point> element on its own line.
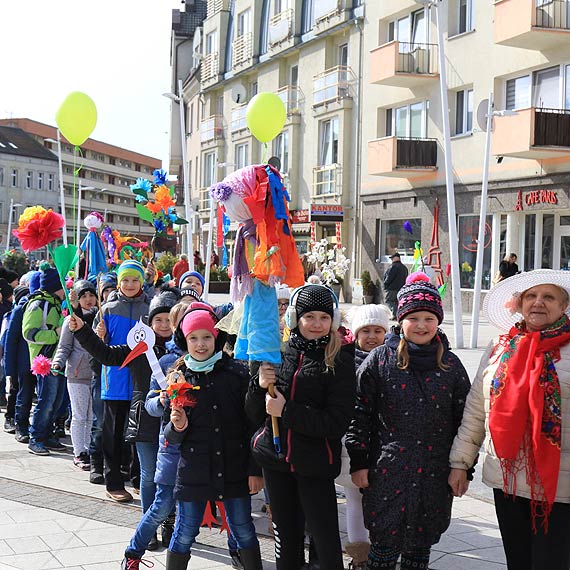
<point>141,426</point>
<point>215,461</point>
<point>404,424</point>
<point>316,415</point>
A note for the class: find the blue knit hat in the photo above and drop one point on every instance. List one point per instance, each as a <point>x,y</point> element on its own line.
<point>49,280</point>
<point>107,281</point>
<point>192,274</point>
<point>34,281</point>
<point>131,268</point>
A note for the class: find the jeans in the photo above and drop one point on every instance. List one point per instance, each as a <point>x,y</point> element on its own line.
<point>147,452</point>
<point>26,389</point>
<point>189,519</point>
<point>161,507</point>
<point>96,444</point>
<point>12,394</point>
<point>51,390</point>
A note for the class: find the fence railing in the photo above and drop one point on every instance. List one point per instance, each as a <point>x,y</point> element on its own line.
<point>327,180</point>
<point>210,66</point>
<point>332,84</point>
<point>281,26</point>
<point>416,153</point>
<point>212,128</point>
<point>552,127</point>
<point>238,118</point>
<point>291,97</point>
<point>417,58</point>
<point>552,14</point>
<point>242,50</point>
<point>215,6</point>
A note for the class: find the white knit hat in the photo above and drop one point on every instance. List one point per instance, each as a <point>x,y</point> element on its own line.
<point>283,292</point>
<point>370,315</point>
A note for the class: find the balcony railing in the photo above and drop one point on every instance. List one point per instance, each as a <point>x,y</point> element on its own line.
<point>210,66</point>
<point>333,84</point>
<point>291,97</point>
<point>239,122</point>
<point>326,8</point>
<point>552,127</point>
<point>281,26</point>
<point>417,58</point>
<point>204,204</point>
<point>212,128</point>
<point>552,14</point>
<point>242,50</point>
<point>327,180</point>
<point>215,6</point>
<point>416,153</point>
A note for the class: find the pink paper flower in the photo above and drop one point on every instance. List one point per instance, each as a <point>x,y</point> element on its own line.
<point>513,305</point>
<point>41,365</point>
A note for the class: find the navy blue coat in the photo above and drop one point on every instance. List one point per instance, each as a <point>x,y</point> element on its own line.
<point>17,357</point>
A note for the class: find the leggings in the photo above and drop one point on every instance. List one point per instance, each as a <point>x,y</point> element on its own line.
<point>354,517</point>
<point>81,416</point>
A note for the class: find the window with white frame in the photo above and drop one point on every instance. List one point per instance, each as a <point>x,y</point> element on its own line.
<point>328,142</point>
<point>518,93</point>
<point>241,152</point>
<point>464,111</point>
<point>546,88</point>
<point>51,182</point>
<point>29,179</point>
<point>209,169</point>
<point>191,118</point>
<point>465,10</point>
<point>40,180</point>
<point>281,150</point>
<point>409,31</point>
<point>394,237</point>
<point>279,6</point>
<point>343,55</point>
<point>244,23</point>
<point>1,176</point>
<point>308,15</point>
<point>14,177</point>
<point>212,42</point>
<point>408,121</point>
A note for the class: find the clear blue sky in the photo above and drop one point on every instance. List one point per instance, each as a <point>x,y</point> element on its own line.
<point>116,51</point>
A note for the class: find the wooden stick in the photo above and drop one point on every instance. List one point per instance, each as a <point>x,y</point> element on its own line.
<point>101,316</point>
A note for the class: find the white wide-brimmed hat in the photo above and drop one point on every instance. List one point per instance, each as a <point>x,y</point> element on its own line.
<point>496,304</point>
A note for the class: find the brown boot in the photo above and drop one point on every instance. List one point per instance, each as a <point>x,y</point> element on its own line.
<point>358,551</point>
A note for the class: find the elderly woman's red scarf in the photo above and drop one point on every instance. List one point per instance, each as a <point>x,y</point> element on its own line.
<point>525,416</point>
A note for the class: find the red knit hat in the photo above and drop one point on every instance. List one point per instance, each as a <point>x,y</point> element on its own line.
<point>199,317</point>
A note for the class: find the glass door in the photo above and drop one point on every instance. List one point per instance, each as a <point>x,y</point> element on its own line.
<point>565,252</point>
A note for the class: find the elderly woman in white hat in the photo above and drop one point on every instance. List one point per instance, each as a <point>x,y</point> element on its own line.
<point>519,409</point>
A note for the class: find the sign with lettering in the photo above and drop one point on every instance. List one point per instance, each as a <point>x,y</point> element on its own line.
<point>541,197</point>
<point>300,216</point>
<point>327,213</point>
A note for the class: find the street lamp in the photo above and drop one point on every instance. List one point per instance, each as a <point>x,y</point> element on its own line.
<point>450,190</point>
<point>187,204</point>
<point>12,206</point>
<point>61,190</point>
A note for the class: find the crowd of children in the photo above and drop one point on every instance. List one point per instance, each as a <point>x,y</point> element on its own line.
<point>363,404</point>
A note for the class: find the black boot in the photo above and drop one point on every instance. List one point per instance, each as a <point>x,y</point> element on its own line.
<point>59,431</point>
<point>96,473</point>
<point>251,558</point>
<point>176,561</point>
<point>314,563</point>
<point>167,529</point>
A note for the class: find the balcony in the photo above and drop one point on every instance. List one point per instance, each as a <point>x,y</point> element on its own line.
<point>239,122</point>
<point>532,24</point>
<point>401,157</point>
<point>532,133</point>
<point>215,6</point>
<point>291,97</point>
<point>332,85</point>
<point>212,129</point>
<point>210,67</point>
<point>330,13</point>
<point>404,64</point>
<point>242,51</point>
<point>281,28</point>
<point>327,180</point>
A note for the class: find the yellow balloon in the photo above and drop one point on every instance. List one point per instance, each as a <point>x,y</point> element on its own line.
<point>76,117</point>
<point>265,116</point>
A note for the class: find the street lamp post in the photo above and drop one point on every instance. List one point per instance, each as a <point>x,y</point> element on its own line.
<point>12,206</point>
<point>450,190</point>
<point>187,203</point>
<point>61,189</point>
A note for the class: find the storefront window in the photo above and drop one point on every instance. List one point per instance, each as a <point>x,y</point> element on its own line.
<point>503,238</point>
<point>468,229</point>
<point>547,241</point>
<point>529,239</point>
<point>395,237</point>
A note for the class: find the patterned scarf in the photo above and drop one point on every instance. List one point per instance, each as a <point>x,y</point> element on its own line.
<point>299,342</point>
<point>525,416</point>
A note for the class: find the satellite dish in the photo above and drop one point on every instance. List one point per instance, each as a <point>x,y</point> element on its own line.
<point>238,93</point>
<point>482,114</point>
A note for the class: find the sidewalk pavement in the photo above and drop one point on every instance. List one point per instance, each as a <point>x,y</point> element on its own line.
<point>52,517</point>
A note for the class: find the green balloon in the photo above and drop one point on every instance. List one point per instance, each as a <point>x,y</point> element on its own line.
<point>265,116</point>
<point>76,117</point>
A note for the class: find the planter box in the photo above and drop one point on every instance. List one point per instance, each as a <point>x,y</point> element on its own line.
<point>219,287</point>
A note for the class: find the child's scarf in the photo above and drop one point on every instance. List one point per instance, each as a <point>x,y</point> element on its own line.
<point>202,365</point>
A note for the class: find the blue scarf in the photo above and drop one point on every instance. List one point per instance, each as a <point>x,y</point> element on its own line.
<point>202,365</point>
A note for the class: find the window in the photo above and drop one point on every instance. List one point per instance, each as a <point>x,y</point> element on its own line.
<point>29,179</point>
<point>328,142</point>
<point>244,23</point>
<point>393,237</point>
<point>465,16</point>
<point>343,55</point>
<point>191,118</point>
<point>518,93</point>
<point>14,177</point>
<point>1,176</point>
<point>51,185</point>
<point>209,169</point>
<point>253,89</point>
<point>40,180</point>
<point>212,42</point>
<point>281,150</point>
<point>468,233</point>
<point>308,15</point>
<point>279,6</point>
<point>409,30</point>
<point>409,121</point>
<point>464,112</point>
<point>529,242</point>
<point>241,155</point>
<point>545,88</point>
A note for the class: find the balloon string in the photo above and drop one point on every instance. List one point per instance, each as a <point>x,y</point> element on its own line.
<point>75,175</point>
<point>265,153</point>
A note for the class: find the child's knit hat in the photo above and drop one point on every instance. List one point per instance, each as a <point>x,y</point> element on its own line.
<point>49,280</point>
<point>34,281</point>
<point>418,294</point>
<point>131,268</point>
<point>192,274</point>
<point>19,292</point>
<point>82,286</point>
<point>162,303</point>
<point>199,317</point>
<point>370,315</point>
<point>314,298</point>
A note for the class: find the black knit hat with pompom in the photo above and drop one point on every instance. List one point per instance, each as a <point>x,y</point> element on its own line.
<point>418,294</point>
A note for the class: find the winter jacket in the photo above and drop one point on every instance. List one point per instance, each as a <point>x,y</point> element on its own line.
<point>215,461</point>
<point>17,358</point>
<point>402,431</point>
<point>474,429</point>
<point>72,357</point>
<point>42,317</point>
<point>395,277</point>
<point>141,426</point>
<point>120,315</point>
<point>318,409</point>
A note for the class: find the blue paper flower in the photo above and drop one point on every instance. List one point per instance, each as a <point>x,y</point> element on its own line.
<point>160,177</point>
<point>171,214</point>
<point>159,226</point>
<point>408,227</point>
<point>220,192</point>
<point>142,184</point>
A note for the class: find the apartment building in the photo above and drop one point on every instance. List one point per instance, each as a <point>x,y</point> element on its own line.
<point>309,53</point>
<point>105,175</point>
<point>516,50</point>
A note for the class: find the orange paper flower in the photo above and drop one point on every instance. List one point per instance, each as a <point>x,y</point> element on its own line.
<point>37,227</point>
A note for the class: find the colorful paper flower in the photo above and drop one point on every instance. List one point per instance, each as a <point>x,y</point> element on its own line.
<point>159,226</point>
<point>160,176</point>
<point>163,198</point>
<point>37,227</point>
<point>41,365</point>
<point>179,394</point>
<point>221,191</point>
